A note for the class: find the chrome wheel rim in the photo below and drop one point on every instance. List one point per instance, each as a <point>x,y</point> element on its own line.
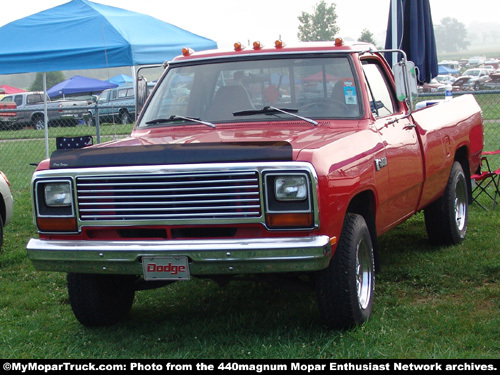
<point>364,274</point>
<point>460,205</point>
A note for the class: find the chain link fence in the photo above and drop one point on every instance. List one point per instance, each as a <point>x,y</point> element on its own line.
<point>24,144</point>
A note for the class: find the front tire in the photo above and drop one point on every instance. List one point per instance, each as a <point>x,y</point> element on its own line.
<point>39,123</point>
<point>446,218</point>
<point>345,289</point>
<point>100,300</point>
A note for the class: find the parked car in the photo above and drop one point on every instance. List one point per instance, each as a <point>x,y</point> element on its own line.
<point>116,105</point>
<point>8,115</point>
<point>476,79</point>
<point>446,79</point>
<point>475,61</point>
<point>6,204</point>
<point>461,84</point>
<point>434,86</point>
<point>494,82</point>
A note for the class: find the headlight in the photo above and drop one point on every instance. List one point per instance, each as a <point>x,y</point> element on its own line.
<point>290,188</point>
<point>288,200</point>
<point>57,194</point>
<point>54,206</point>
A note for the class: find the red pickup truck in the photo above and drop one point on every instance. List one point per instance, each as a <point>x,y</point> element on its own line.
<point>8,115</point>
<point>286,161</point>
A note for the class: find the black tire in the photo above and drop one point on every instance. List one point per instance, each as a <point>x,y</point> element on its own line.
<point>345,289</point>
<point>125,118</point>
<point>38,123</point>
<point>89,119</point>
<point>100,300</point>
<point>446,218</point>
<point>1,230</point>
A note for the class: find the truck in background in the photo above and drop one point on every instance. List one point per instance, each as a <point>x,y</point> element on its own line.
<point>30,106</point>
<point>116,105</point>
<point>8,115</point>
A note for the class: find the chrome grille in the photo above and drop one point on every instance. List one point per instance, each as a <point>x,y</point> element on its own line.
<point>204,195</point>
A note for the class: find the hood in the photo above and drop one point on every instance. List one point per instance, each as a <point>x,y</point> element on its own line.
<point>200,144</point>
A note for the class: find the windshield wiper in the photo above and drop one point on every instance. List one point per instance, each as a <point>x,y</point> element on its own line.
<point>269,110</point>
<point>178,117</point>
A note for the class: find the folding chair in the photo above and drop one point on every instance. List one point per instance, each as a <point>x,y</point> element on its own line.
<point>486,178</point>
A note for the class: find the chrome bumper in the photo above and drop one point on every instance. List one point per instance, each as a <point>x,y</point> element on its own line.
<point>206,257</point>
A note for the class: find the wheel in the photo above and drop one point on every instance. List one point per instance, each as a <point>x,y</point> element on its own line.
<point>39,123</point>
<point>446,218</point>
<point>1,232</point>
<point>345,289</point>
<point>100,300</point>
<point>125,118</point>
<point>89,119</point>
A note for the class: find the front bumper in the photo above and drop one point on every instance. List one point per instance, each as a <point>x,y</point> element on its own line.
<point>206,257</point>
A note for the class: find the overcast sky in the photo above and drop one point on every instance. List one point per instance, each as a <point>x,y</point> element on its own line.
<point>228,21</point>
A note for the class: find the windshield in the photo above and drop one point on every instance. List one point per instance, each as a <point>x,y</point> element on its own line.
<point>310,87</point>
<point>473,73</point>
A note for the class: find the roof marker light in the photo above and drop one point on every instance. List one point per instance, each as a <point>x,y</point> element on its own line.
<point>339,42</point>
<point>257,45</point>
<point>279,43</point>
<point>238,46</point>
<point>187,51</point>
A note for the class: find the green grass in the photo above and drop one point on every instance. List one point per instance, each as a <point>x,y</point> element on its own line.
<point>431,302</point>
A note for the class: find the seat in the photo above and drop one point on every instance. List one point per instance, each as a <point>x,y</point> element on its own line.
<point>485,179</point>
<point>68,143</point>
<point>229,99</point>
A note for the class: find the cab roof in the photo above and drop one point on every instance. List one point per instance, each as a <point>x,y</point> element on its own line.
<point>257,48</point>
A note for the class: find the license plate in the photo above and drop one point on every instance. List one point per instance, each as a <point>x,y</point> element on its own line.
<point>165,268</point>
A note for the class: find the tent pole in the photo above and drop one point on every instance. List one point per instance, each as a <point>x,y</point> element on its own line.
<point>394,25</point>
<point>45,116</point>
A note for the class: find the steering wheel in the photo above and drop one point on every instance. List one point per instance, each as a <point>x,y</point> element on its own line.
<point>326,105</point>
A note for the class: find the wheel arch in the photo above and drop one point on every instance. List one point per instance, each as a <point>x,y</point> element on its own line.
<point>36,115</point>
<point>364,204</point>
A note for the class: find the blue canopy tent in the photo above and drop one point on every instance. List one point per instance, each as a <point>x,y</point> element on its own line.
<point>79,85</point>
<point>121,79</point>
<point>410,28</point>
<point>444,70</point>
<point>82,34</point>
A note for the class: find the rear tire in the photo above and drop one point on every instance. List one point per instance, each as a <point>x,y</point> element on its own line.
<point>446,218</point>
<point>345,289</point>
<point>39,123</point>
<point>100,300</point>
<point>125,118</point>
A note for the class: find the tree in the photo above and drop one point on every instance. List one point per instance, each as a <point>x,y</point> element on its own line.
<point>53,78</point>
<point>451,35</point>
<point>367,36</point>
<point>319,25</point>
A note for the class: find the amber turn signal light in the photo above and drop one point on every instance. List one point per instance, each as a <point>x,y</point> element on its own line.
<point>289,220</point>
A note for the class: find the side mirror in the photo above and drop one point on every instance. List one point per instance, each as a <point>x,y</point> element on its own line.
<point>142,94</point>
<point>405,75</point>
